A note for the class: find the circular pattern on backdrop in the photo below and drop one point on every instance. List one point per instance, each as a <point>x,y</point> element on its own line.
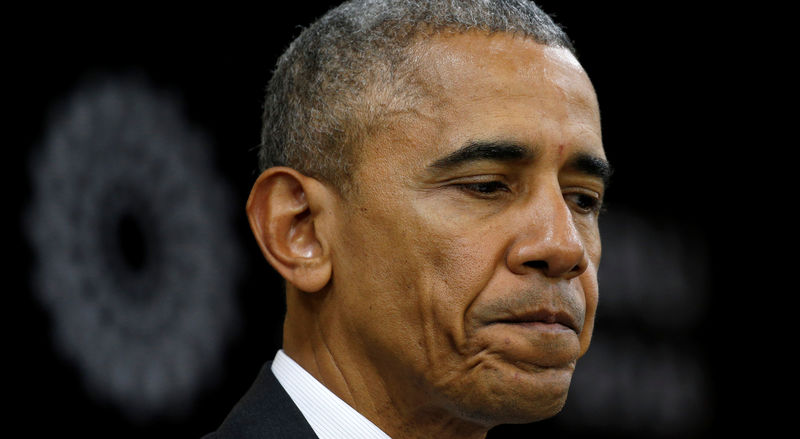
<point>135,257</point>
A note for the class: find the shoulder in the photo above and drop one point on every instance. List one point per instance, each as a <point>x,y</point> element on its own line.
<point>265,411</point>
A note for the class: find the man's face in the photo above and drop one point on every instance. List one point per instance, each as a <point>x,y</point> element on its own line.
<point>465,264</point>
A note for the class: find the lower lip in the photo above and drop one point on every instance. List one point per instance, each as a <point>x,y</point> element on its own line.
<point>542,344</point>
<point>541,326</point>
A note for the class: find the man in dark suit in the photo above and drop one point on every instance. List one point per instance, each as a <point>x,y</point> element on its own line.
<point>432,176</point>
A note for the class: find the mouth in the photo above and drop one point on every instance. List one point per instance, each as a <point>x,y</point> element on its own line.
<point>542,319</point>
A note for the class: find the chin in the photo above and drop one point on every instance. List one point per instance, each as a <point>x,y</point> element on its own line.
<point>544,400</point>
<point>543,408</point>
<point>518,397</point>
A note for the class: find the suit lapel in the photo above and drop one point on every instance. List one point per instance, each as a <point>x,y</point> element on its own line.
<point>265,412</point>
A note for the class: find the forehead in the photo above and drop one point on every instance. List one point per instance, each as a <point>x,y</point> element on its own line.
<point>482,86</point>
<point>452,60</point>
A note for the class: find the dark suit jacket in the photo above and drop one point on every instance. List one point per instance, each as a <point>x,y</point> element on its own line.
<point>265,412</point>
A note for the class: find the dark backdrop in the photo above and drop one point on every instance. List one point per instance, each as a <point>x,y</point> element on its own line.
<point>661,367</point>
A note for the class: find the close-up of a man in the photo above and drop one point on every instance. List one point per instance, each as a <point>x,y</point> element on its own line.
<point>431,178</point>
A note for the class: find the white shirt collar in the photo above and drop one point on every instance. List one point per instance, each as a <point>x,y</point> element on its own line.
<point>328,415</point>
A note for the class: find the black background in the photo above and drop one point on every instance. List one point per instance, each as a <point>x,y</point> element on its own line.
<point>672,84</point>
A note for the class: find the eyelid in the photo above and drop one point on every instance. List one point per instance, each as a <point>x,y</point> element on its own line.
<point>495,183</point>
<point>479,178</point>
<point>584,190</point>
<point>597,197</point>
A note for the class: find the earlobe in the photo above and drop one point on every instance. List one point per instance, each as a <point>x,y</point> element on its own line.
<point>283,211</point>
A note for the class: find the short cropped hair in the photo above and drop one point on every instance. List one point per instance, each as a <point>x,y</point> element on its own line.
<point>347,71</point>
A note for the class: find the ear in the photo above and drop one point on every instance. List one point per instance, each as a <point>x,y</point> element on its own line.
<point>283,209</point>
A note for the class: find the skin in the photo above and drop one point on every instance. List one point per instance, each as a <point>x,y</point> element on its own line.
<point>446,296</point>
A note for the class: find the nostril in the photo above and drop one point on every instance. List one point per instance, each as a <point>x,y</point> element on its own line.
<point>541,265</point>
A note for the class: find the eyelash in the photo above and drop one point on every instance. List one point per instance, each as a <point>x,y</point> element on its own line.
<point>585,203</point>
<point>484,188</point>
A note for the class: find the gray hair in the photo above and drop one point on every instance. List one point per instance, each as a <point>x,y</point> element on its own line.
<point>349,69</point>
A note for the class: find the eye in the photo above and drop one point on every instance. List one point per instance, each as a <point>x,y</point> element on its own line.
<point>584,203</point>
<point>484,188</point>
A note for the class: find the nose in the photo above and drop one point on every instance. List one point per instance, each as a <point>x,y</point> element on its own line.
<point>548,240</point>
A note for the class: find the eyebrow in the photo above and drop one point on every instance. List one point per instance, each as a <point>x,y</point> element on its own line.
<point>592,165</point>
<point>501,151</point>
<point>508,151</point>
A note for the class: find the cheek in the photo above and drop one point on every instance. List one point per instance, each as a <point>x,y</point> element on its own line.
<point>395,274</point>
<point>409,278</point>
<point>460,269</point>
<point>447,270</point>
<point>375,298</point>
